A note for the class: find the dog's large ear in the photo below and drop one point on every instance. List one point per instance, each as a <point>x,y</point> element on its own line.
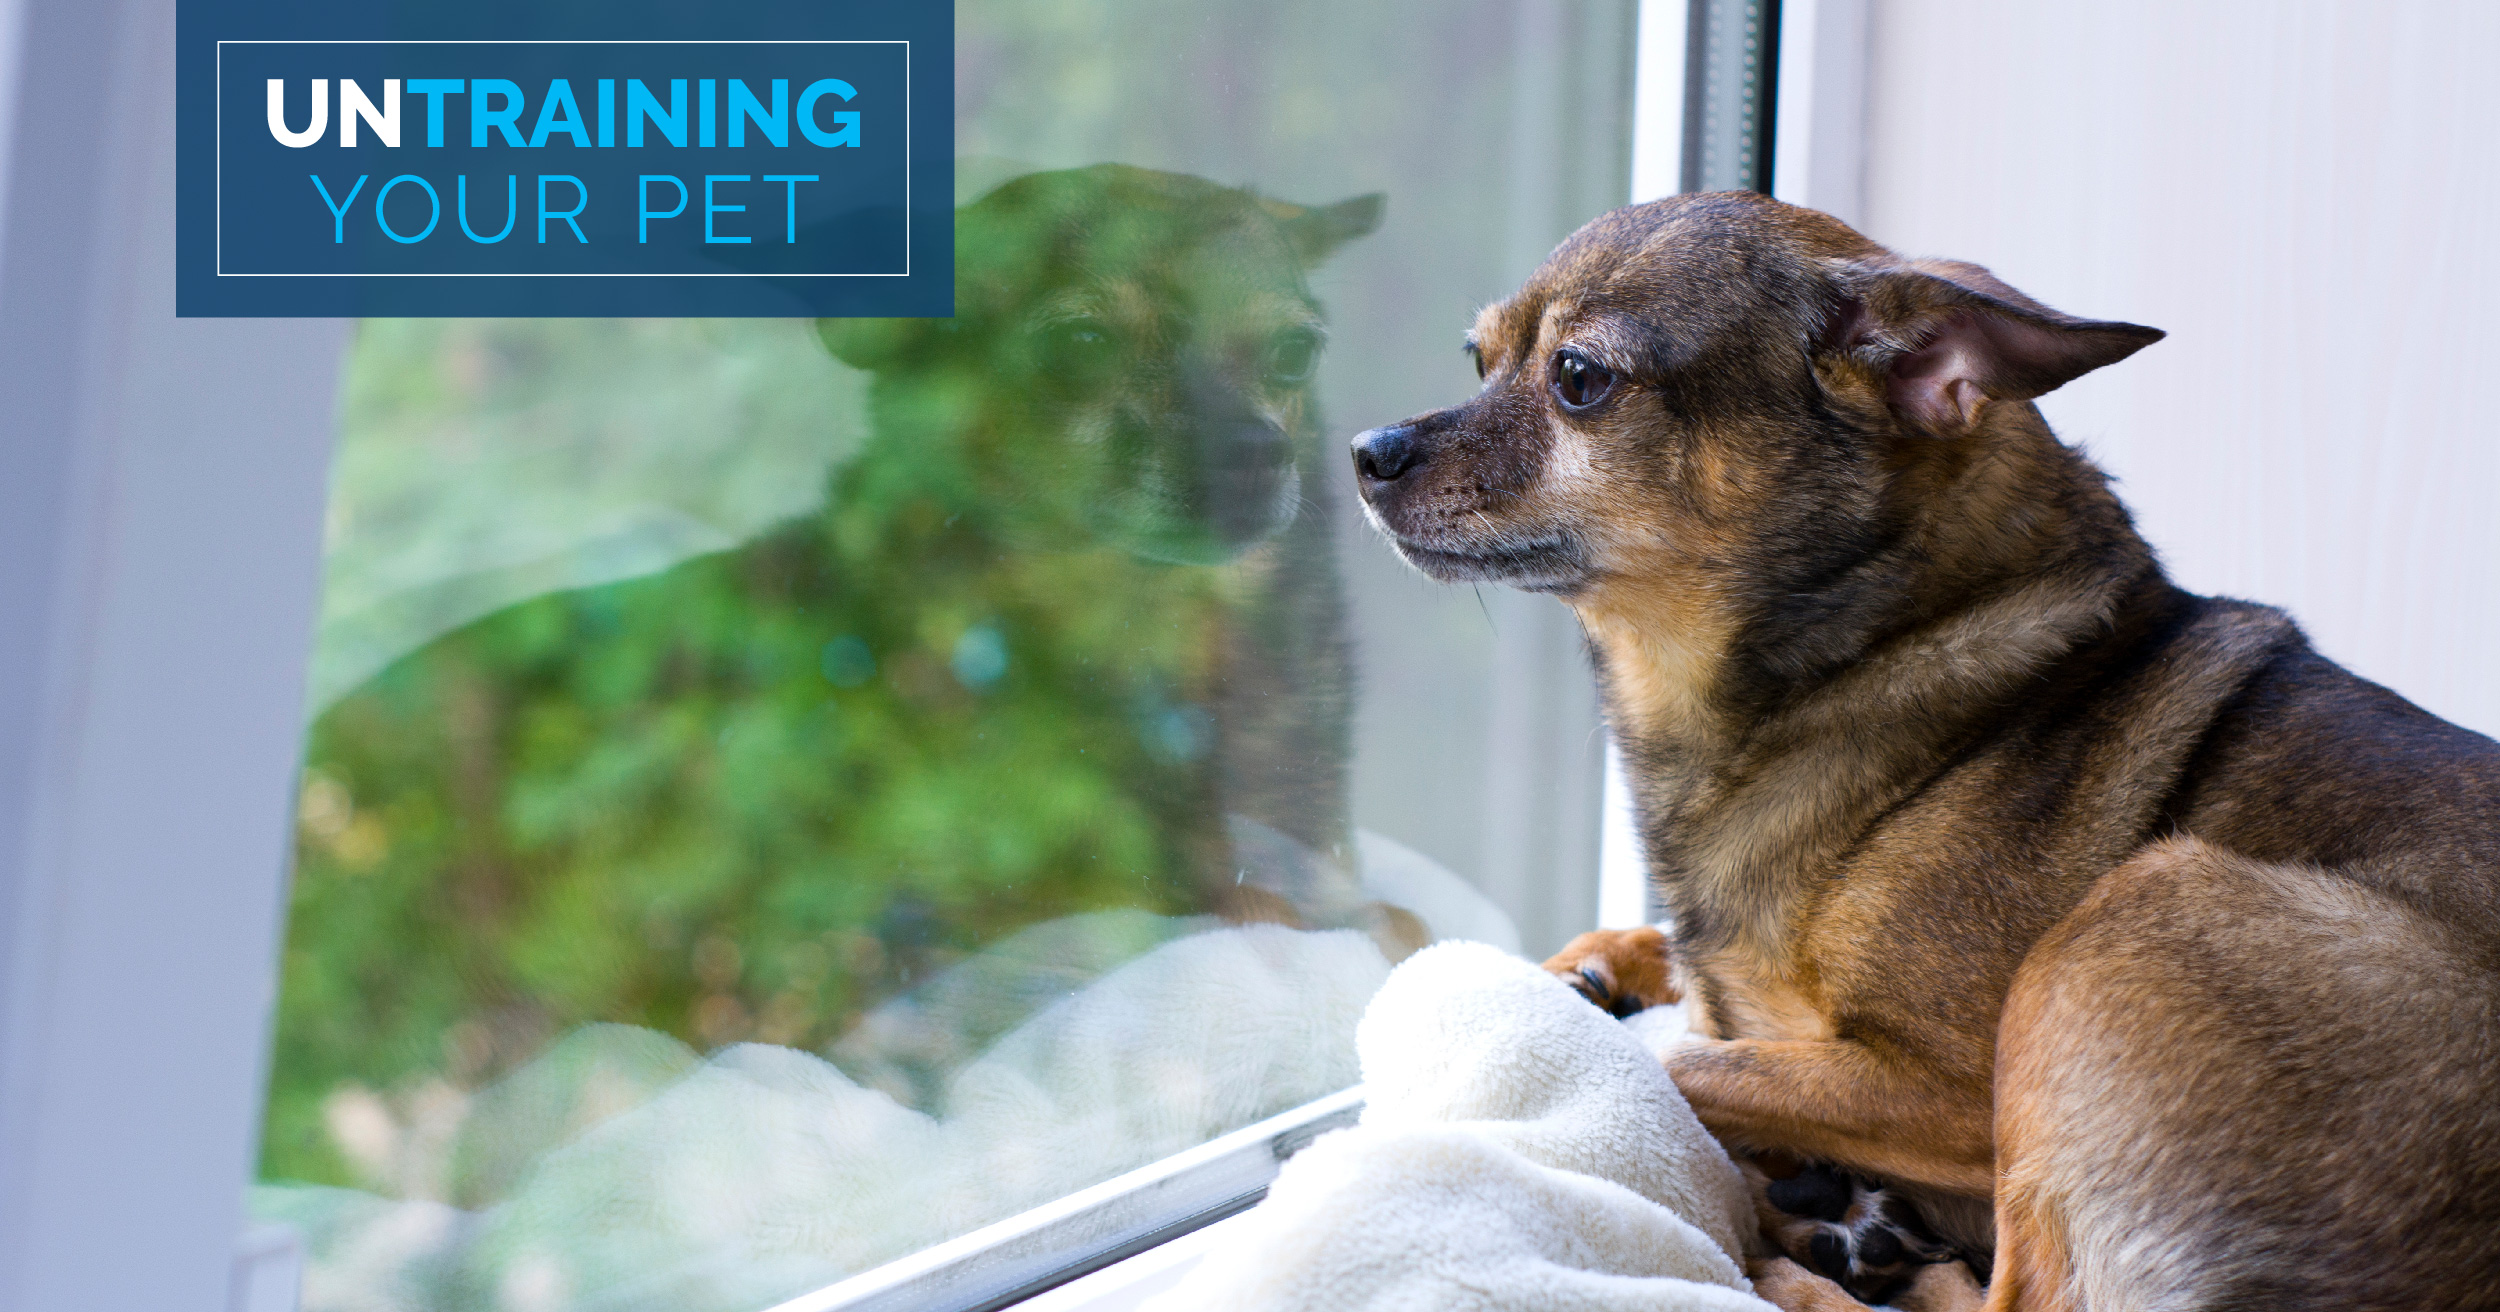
<point>1946,337</point>
<point>1315,231</point>
<point>872,344</point>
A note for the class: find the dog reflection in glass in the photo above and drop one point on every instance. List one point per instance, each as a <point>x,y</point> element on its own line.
<point>1065,638</point>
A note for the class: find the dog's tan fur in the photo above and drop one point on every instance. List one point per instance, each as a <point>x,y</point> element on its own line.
<point>2001,870</point>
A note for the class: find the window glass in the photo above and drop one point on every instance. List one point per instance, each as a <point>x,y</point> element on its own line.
<point>781,795</point>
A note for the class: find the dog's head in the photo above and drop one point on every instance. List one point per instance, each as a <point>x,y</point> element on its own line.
<point>1130,359</point>
<point>1724,405</point>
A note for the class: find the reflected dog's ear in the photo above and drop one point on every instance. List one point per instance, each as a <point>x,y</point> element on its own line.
<point>873,344</point>
<point>1944,337</point>
<point>1316,231</point>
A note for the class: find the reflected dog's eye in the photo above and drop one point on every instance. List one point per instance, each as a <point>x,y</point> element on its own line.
<point>1291,355</point>
<point>1074,346</point>
<point>1580,382</point>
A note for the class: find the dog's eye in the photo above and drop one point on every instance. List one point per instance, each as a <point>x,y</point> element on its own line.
<point>1579,381</point>
<point>1074,345</point>
<point>1475,354</point>
<point>1291,355</point>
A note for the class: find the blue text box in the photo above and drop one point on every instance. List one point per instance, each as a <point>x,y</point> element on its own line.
<point>603,174</point>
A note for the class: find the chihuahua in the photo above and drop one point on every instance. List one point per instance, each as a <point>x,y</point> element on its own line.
<point>2152,955</point>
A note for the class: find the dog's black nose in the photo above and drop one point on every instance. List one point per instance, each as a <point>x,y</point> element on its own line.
<point>1381,454</point>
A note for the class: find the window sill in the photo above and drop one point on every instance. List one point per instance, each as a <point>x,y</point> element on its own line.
<point>1126,1284</point>
<point>1149,1225</point>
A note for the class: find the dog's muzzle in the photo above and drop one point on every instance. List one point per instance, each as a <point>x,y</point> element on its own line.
<point>1535,561</point>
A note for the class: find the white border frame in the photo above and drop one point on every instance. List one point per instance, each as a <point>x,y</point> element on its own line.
<point>549,41</point>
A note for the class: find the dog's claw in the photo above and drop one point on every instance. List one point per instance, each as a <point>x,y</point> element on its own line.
<point>1593,986</point>
<point>1600,992</point>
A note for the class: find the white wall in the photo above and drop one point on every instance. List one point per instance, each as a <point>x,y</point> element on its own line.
<point>2306,194</point>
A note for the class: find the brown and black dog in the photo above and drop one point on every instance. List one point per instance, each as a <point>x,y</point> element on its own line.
<point>2004,874</point>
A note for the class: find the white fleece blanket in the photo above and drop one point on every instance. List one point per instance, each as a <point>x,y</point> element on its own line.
<point>1519,1150</point>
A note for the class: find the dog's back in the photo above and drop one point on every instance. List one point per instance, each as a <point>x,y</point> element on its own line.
<point>2314,765</point>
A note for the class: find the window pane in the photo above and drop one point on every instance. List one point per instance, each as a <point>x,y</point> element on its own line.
<point>782,795</point>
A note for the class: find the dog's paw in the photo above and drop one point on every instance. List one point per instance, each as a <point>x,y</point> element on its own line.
<point>1622,971</point>
<point>1867,1240</point>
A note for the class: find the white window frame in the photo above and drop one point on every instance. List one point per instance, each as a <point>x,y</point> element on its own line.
<point>162,486</point>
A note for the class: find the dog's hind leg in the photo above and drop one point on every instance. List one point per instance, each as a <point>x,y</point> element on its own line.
<point>2032,1273</point>
<point>2210,1073</point>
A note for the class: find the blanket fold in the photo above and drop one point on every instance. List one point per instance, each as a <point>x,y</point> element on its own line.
<point>1519,1150</point>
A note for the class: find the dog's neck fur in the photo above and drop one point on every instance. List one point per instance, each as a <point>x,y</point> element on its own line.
<point>1755,766</point>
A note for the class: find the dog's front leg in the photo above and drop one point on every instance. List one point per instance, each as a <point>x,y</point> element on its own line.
<point>1841,1102</point>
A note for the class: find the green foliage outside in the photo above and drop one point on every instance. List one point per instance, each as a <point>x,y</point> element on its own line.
<point>760,791</point>
<point>657,802</point>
